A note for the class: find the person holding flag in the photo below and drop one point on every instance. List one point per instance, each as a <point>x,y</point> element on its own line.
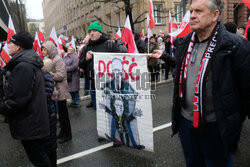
<point>211,87</point>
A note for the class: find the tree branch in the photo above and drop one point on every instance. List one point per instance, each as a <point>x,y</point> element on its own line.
<point>99,19</point>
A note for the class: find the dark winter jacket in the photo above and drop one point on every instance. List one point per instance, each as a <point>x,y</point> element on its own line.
<point>230,69</point>
<point>50,144</point>
<point>100,45</point>
<point>25,104</point>
<point>139,42</point>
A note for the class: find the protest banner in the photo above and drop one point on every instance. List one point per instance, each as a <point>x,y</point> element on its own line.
<point>123,99</point>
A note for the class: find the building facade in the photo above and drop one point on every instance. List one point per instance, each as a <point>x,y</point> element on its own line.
<point>33,26</point>
<point>73,17</point>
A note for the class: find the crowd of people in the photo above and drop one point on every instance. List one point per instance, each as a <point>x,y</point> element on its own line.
<point>210,67</point>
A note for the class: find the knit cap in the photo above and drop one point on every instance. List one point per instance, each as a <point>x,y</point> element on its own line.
<point>23,39</point>
<point>95,26</point>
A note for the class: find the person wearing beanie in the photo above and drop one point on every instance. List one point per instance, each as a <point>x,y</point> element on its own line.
<point>98,42</point>
<point>25,99</point>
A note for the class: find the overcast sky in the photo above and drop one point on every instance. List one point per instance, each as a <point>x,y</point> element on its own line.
<point>34,9</point>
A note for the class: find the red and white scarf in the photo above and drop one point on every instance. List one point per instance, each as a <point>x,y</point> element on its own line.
<point>197,106</point>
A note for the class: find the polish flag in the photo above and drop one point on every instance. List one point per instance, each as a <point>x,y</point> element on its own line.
<point>174,24</point>
<point>151,15</point>
<point>247,3</point>
<point>63,38</point>
<point>72,43</point>
<point>184,28</point>
<point>142,34</point>
<point>60,46</point>
<point>127,36</point>
<point>37,46</point>
<point>248,26</point>
<point>169,22</point>
<point>40,34</point>
<point>5,57</point>
<point>118,34</point>
<point>149,30</point>
<point>53,38</point>
<point>11,30</point>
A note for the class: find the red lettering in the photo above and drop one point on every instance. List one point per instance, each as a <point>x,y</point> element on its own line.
<point>109,74</point>
<point>101,73</point>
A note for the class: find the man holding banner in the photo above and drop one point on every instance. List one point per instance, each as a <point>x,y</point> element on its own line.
<point>98,43</point>
<point>211,94</point>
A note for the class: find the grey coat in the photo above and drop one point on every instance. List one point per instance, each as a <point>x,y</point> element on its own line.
<point>71,61</point>
<point>59,69</point>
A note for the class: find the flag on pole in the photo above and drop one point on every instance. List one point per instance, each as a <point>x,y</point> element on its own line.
<point>169,22</point>
<point>247,3</point>
<point>72,43</point>
<point>5,57</point>
<point>63,38</point>
<point>53,38</point>
<point>40,34</point>
<point>128,37</point>
<point>37,46</point>
<point>174,24</point>
<point>11,30</point>
<point>151,15</point>
<point>184,28</point>
<point>248,26</point>
<point>118,34</point>
<point>142,34</point>
<point>149,30</point>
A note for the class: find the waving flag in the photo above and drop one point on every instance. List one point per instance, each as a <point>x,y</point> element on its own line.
<point>40,34</point>
<point>37,46</point>
<point>63,38</point>
<point>174,24</point>
<point>11,30</point>
<point>72,43</point>
<point>142,33</point>
<point>247,3</point>
<point>128,37</point>
<point>169,22</point>
<point>248,26</point>
<point>53,38</point>
<point>118,34</point>
<point>151,15</point>
<point>5,57</point>
<point>184,28</point>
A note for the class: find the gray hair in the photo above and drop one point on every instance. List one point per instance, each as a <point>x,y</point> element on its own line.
<point>215,5</point>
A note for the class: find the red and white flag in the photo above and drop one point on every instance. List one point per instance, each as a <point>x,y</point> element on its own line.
<point>72,43</point>
<point>118,34</point>
<point>247,3</point>
<point>40,34</point>
<point>151,15</point>
<point>53,38</point>
<point>11,29</point>
<point>63,38</point>
<point>149,29</point>
<point>174,24</point>
<point>37,46</point>
<point>128,37</point>
<point>142,34</point>
<point>5,57</point>
<point>184,27</point>
<point>248,26</point>
<point>169,22</point>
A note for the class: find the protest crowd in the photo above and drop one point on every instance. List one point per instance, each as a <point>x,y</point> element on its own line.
<point>209,65</point>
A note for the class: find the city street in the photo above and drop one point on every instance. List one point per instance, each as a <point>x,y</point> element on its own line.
<point>167,149</point>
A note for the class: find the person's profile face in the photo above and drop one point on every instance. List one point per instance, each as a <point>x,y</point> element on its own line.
<point>44,52</point>
<point>13,49</point>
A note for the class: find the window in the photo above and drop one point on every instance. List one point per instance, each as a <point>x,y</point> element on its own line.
<point>158,9</point>
<point>178,13</point>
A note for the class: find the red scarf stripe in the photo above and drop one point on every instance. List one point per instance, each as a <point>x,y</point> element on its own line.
<point>197,106</point>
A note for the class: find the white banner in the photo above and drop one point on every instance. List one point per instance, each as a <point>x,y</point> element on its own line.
<point>123,99</point>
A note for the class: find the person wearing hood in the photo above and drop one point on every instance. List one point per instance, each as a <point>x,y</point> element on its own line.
<point>25,103</point>
<point>71,60</point>
<point>98,42</point>
<point>139,42</point>
<point>59,75</point>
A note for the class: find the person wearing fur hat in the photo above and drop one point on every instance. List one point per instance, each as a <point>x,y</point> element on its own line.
<point>25,103</point>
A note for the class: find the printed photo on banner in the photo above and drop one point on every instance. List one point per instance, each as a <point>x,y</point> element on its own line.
<point>124,110</point>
